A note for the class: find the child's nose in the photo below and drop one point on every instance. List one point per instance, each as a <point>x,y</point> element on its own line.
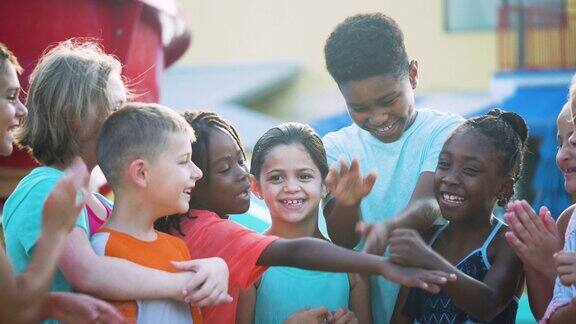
<point>378,117</point>
<point>292,186</point>
<point>196,172</point>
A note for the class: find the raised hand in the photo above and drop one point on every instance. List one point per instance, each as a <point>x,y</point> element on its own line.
<point>566,266</point>
<point>79,308</point>
<point>407,248</point>
<point>318,315</point>
<point>347,185</point>
<point>63,205</point>
<point>209,285</point>
<point>534,238</point>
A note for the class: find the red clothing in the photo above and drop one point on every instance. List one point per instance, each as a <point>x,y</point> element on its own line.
<point>207,235</point>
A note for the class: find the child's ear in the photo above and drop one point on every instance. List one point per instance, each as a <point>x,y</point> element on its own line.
<point>413,73</point>
<point>138,172</point>
<point>506,191</point>
<point>255,186</point>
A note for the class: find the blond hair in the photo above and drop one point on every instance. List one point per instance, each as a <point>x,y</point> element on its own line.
<point>136,130</point>
<point>69,85</point>
<point>7,55</point>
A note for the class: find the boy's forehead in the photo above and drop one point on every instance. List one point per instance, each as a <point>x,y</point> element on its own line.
<point>371,88</point>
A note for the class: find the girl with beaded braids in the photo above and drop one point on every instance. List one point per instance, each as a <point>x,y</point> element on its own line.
<point>477,167</point>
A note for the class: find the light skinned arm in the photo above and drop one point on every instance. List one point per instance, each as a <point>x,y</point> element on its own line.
<point>90,273</point>
<point>315,254</point>
<point>535,238</point>
<point>22,295</point>
<point>359,302</point>
<point>78,308</point>
<point>481,299</point>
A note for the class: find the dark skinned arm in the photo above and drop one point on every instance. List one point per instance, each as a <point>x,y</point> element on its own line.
<point>420,214</point>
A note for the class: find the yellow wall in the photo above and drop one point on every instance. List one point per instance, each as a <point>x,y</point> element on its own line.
<point>297,29</point>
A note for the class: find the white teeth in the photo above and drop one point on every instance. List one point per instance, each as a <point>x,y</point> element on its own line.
<point>452,198</point>
<point>292,201</point>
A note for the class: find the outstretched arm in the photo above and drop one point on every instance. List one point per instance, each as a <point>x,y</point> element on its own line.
<point>481,299</point>
<point>315,254</point>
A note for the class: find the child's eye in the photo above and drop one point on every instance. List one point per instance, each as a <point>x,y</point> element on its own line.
<point>306,177</point>
<point>242,162</point>
<point>470,171</point>
<point>443,165</point>
<point>275,178</point>
<point>359,109</point>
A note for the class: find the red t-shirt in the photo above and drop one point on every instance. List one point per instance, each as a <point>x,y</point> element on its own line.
<point>207,235</point>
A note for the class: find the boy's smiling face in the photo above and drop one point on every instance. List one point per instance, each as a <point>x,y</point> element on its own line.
<point>383,104</point>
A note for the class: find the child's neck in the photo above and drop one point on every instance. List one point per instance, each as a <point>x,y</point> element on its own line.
<point>474,224</point>
<point>306,228</point>
<point>133,217</point>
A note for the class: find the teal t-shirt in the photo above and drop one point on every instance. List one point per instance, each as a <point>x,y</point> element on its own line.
<point>399,165</point>
<point>284,291</point>
<point>22,220</point>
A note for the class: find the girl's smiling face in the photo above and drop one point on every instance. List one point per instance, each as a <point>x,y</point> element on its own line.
<point>226,187</point>
<point>290,184</point>
<point>12,111</point>
<point>566,143</point>
<point>468,179</point>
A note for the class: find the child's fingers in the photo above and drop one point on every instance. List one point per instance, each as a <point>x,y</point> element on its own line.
<point>363,229</point>
<point>568,279</point>
<point>343,168</point>
<point>355,168</point>
<point>369,182</point>
<point>549,222</point>
<point>528,217</point>
<point>190,265</point>
<point>516,245</point>
<point>565,258</point>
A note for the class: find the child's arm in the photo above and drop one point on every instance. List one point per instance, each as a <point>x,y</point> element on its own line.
<point>90,273</point>
<point>482,300</point>
<point>563,315</point>
<point>246,304</point>
<point>535,238</point>
<point>315,254</point>
<point>398,316</point>
<point>347,188</point>
<point>21,295</point>
<point>79,308</point>
<point>342,211</point>
<point>360,303</point>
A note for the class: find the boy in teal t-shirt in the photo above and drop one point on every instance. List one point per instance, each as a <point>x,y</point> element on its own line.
<point>366,56</point>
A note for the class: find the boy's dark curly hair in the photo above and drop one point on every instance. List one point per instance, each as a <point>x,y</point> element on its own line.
<point>366,45</point>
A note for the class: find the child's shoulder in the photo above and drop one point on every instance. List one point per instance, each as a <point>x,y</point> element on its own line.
<point>566,219</point>
<point>434,118</point>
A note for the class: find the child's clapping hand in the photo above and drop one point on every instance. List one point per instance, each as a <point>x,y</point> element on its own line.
<point>566,266</point>
<point>407,248</point>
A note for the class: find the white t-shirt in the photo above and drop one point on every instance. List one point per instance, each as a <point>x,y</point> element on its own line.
<point>399,165</point>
